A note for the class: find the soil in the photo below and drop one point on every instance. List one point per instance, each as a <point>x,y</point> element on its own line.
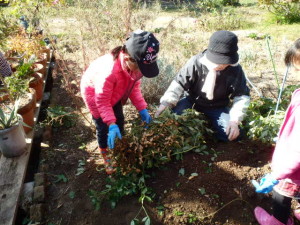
<point>221,193</point>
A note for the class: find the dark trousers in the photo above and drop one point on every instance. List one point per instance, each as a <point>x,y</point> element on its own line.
<point>281,207</point>
<point>102,128</point>
<point>212,114</point>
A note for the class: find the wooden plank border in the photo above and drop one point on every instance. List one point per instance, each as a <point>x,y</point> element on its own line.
<point>13,171</point>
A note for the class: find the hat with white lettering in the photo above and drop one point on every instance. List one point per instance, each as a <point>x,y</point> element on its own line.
<point>143,47</point>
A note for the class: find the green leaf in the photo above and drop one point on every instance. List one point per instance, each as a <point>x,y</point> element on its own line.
<point>61,177</point>
<point>72,194</point>
<point>202,191</point>
<point>148,221</point>
<point>181,172</point>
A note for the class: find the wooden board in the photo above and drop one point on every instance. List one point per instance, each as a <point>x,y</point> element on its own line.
<point>12,175</point>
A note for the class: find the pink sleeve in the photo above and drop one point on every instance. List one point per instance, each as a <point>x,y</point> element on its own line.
<point>137,98</point>
<point>286,158</point>
<point>103,95</point>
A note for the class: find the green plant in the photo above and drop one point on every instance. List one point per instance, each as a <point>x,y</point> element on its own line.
<point>10,117</point>
<point>58,116</point>
<point>81,167</point>
<point>228,19</point>
<point>154,88</point>
<point>16,86</point>
<point>8,26</point>
<point>265,128</point>
<point>168,136</point>
<point>285,12</point>
<point>61,178</point>
<point>24,71</point>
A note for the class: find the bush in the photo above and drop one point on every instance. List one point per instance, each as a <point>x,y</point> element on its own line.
<point>285,12</point>
<point>154,88</point>
<point>222,20</point>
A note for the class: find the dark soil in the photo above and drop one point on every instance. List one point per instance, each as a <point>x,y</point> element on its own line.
<point>222,192</point>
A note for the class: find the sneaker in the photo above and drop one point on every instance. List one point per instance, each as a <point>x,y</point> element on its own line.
<point>264,218</point>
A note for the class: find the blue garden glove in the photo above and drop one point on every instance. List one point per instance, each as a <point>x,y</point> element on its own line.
<point>145,116</point>
<point>266,184</point>
<point>113,131</point>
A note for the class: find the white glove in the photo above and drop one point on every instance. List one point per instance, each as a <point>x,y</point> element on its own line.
<point>232,130</point>
<point>160,109</point>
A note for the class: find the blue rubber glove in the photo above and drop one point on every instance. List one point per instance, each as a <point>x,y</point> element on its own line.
<point>113,131</point>
<point>266,184</point>
<point>145,116</point>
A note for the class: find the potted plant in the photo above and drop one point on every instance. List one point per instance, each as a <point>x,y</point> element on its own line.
<point>25,73</point>
<point>19,89</point>
<point>12,135</point>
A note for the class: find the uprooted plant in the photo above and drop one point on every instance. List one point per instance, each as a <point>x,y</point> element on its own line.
<point>146,147</point>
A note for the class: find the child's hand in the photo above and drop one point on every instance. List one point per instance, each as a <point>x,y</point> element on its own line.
<point>266,184</point>
<point>145,116</point>
<point>113,132</point>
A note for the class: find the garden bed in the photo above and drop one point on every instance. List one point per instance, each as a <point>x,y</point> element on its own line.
<point>221,193</point>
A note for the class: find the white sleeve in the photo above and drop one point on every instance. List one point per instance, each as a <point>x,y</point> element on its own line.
<point>239,108</point>
<point>173,94</point>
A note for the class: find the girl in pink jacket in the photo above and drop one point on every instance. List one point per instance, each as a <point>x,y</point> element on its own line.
<point>285,175</point>
<point>113,78</point>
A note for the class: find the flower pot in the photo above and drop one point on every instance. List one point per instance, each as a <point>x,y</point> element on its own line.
<point>37,84</point>
<point>47,51</point>
<point>3,95</point>
<point>13,140</point>
<point>27,108</point>
<point>42,59</point>
<point>39,68</point>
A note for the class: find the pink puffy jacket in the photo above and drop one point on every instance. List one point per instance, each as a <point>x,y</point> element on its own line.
<point>105,83</point>
<point>286,157</point>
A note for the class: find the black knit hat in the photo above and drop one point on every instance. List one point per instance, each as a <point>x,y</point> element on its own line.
<point>143,47</point>
<point>222,48</point>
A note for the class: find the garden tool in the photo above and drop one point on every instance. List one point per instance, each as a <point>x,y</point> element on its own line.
<point>281,88</point>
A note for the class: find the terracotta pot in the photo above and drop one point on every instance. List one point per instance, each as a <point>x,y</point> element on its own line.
<point>3,95</point>
<point>40,68</point>
<point>47,51</point>
<point>42,59</point>
<point>27,108</point>
<point>37,84</point>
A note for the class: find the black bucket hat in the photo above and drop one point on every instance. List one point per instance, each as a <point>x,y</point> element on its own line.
<point>143,47</point>
<point>222,48</point>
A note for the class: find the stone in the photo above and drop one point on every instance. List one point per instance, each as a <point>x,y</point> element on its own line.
<point>37,212</point>
<point>39,194</point>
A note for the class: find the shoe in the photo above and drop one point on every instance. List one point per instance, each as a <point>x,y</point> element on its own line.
<point>110,167</point>
<point>264,218</point>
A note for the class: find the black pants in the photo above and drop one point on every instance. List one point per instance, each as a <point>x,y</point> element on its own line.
<point>102,128</point>
<point>281,207</point>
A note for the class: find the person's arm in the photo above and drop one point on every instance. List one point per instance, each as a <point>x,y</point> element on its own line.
<point>240,104</point>
<point>137,98</point>
<point>103,95</point>
<point>181,82</point>
<point>5,69</point>
<point>239,108</point>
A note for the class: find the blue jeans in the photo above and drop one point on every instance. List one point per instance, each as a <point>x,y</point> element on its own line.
<point>212,114</point>
<point>102,128</point>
